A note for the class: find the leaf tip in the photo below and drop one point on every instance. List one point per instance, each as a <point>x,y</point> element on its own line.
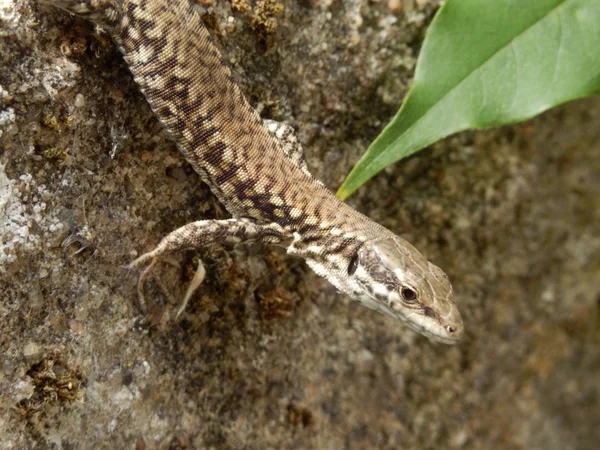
<point>343,193</point>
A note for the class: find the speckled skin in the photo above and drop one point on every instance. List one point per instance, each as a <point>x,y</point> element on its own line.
<point>257,170</point>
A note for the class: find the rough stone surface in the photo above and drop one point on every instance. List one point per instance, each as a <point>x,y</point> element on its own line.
<point>268,355</point>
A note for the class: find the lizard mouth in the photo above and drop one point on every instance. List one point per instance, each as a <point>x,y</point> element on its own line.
<point>434,330</point>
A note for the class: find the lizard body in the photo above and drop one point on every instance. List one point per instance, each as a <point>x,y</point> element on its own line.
<point>257,170</point>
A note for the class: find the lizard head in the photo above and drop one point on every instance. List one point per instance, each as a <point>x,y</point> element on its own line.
<point>394,278</point>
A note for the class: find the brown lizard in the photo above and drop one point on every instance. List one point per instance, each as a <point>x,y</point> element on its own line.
<point>257,170</point>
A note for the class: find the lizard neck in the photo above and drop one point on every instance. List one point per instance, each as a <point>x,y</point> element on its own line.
<point>329,234</point>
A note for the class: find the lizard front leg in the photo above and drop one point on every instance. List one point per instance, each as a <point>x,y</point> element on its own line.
<point>290,144</point>
<point>289,141</point>
<point>206,232</point>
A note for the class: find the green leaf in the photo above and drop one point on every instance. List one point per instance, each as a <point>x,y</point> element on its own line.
<point>487,63</point>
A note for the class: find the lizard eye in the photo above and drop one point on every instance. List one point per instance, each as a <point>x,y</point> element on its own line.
<point>353,265</point>
<point>408,294</point>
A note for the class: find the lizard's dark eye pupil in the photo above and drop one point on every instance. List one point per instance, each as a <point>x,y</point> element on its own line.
<point>409,294</point>
<point>353,265</point>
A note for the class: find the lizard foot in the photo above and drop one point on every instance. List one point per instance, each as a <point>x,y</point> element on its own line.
<point>202,233</point>
<point>148,271</point>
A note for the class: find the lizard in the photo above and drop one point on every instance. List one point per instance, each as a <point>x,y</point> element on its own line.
<point>257,170</point>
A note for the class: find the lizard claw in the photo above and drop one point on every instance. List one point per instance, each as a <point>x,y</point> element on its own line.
<point>196,281</point>
<point>153,257</point>
<point>141,260</point>
<point>144,275</point>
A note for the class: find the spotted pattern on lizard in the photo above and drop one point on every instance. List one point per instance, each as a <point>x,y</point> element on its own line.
<point>257,170</point>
